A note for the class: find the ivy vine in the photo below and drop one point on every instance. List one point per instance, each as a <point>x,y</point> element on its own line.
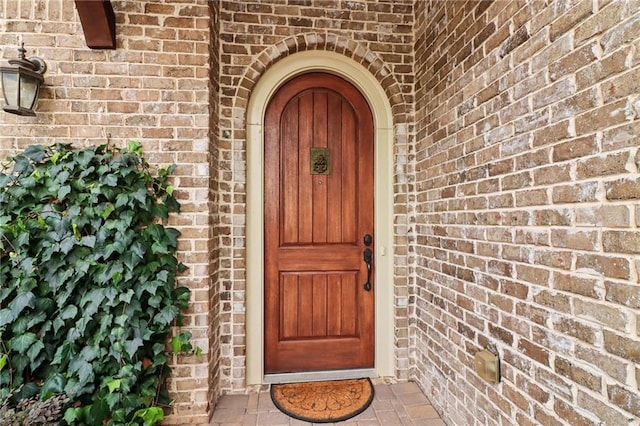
<point>88,293</point>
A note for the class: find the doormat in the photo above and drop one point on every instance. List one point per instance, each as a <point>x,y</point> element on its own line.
<point>323,402</point>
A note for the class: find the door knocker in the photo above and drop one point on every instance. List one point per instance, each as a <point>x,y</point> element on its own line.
<point>319,164</point>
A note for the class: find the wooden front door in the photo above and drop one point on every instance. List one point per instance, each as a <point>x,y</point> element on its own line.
<point>319,311</point>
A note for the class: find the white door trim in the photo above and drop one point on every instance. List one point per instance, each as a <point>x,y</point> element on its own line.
<point>273,78</point>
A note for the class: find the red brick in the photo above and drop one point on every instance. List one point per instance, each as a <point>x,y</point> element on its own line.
<point>572,415</point>
<point>613,163</point>
<point>575,148</point>
<point>575,193</point>
<point>622,346</point>
<point>623,189</point>
<point>623,294</point>
<point>554,300</point>
<point>551,174</point>
<point>533,351</point>
<point>552,217</point>
<point>621,242</point>
<point>608,266</point>
<point>574,239</point>
<point>551,134</point>
<point>628,400</point>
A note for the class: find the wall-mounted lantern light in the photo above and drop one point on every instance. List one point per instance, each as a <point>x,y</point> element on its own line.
<point>21,81</point>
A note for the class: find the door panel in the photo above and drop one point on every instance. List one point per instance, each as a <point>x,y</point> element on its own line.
<point>318,316</point>
<point>317,305</point>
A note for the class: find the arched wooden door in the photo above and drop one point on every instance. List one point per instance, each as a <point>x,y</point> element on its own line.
<point>319,290</point>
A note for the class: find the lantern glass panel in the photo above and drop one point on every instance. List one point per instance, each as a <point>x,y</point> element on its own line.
<point>28,91</point>
<point>10,87</point>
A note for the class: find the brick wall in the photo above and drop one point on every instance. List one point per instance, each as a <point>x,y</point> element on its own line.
<point>528,124</point>
<point>153,88</point>
<point>214,211</point>
<point>256,34</point>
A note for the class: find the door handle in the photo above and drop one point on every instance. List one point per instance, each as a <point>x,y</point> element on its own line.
<point>367,255</point>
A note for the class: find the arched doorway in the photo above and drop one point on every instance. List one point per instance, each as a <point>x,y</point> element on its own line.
<point>269,83</point>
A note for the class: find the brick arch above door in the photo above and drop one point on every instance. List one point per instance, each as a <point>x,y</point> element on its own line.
<point>388,354</point>
<point>343,46</point>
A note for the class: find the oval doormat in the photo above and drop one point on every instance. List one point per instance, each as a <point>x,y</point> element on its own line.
<point>323,402</point>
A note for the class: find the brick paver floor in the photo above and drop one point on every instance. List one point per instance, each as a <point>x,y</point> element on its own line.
<point>393,404</point>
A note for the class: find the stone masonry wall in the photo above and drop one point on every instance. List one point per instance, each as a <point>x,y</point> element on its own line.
<point>528,125</point>
<point>256,34</point>
<point>153,88</point>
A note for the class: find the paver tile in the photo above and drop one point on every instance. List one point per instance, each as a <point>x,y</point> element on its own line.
<point>424,411</point>
<point>414,398</point>
<point>273,418</point>
<point>404,388</point>
<point>395,404</point>
<point>227,415</point>
<point>233,401</point>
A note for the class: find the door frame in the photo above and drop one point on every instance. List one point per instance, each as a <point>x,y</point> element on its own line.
<point>273,78</point>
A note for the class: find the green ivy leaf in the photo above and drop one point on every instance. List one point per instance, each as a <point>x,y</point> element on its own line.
<point>114,385</point>
<point>88,241</point>
<point>72,414</point>
<point>135,147</point>
<point>83,369</point>
<point>34,351</point>
<point>22,301</point>
<point>109,179</point>
<point>58,323</point>
<point>53,385</point>
<point>131,346</point>
<point>4,291</point>
<point>150,416</point>
<point>107,211</point>
<point>36,153</point>
<point>99,411</point>
<point>7,316</point>
<point>141,195</point>
<point>23,342</point>
<point>127,296</point>
<point>176,344</point>
<point>155,301</point>
<point>166,315</point>
<point>63,192</point>
<point>67,244</point>
<point>69,312</point>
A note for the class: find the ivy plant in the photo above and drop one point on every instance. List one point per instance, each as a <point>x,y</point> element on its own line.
<point>88,293</point>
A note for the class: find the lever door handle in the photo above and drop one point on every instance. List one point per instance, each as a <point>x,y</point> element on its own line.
<point>367,255</point>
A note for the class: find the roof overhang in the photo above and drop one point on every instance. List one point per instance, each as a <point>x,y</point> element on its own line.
<point>98,23</point>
